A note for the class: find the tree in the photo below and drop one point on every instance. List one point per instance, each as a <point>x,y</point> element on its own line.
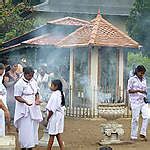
<point>13,21</point>
<point>31,2</point>
<point>138,24</point>
<point>139,59</point>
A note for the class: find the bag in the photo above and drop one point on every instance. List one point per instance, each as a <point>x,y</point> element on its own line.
<point>145,100</point>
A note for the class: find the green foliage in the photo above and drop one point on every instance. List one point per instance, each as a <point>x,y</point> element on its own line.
<point>139,59</point>
<point>138,24</point>
<point>12,22</point>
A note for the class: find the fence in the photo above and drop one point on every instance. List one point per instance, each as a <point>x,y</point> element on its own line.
<point>81,104</point>
<point>85,112</point>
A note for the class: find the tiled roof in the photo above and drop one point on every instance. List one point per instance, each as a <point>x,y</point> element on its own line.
<point>46,39</point>
<point>53,38</point>
<point>10,47</point>
<point>99,33</point>
<point>70,21</point>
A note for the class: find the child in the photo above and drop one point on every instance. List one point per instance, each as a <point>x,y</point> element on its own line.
<point>55,107</point>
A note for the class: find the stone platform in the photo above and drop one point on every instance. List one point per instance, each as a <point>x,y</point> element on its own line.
<point>7,143</point>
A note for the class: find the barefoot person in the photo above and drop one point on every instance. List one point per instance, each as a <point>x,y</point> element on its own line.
<point>27,111</point>
<point>4,113</point>
<point>55,118</point>
<point>137,94</point>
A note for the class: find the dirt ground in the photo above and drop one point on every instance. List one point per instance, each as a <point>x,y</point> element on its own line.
<point>84,134</point>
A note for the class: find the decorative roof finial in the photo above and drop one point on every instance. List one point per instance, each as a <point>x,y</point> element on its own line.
<point>98,13</point>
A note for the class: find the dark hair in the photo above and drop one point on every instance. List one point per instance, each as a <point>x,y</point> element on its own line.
<point>27,70</point>
<point>2,66</point>
<point>60,87</point>
<point>140,68</point>
<point>5,62</point>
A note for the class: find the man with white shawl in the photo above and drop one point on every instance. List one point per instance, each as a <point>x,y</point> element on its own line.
<point>27,111</point>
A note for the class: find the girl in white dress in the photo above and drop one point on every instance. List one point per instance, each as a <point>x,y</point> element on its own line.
<point>55,107</point>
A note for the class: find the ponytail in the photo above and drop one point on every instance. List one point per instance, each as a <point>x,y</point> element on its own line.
<point>62,99</point>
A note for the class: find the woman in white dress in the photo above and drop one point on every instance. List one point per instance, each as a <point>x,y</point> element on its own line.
<point>10,79</point>
<point>4,113</point>
<point>55,107</point>
<point>27,111</point>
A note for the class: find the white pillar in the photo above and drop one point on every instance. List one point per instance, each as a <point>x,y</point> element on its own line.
<point>94,79</point>
<point>71,77</point>
<point>121,72</point>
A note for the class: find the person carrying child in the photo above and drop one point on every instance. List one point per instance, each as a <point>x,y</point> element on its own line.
<point>55,107</point>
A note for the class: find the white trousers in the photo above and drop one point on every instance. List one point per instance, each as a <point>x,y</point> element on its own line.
<point>28,132</point>
<point>136,109</point>
<point>2,123</point>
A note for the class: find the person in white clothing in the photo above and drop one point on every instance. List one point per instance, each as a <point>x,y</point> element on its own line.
<point>27,111</point>
<point>4,113</point>
<point>42,79</point>
<point>55,107</point>
<point>137,90</point>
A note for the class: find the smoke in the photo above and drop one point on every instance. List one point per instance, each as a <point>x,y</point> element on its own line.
<point>57,59</point>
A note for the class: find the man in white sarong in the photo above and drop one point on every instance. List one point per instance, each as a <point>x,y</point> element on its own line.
<point>27,111</point>
<point>3,107</point>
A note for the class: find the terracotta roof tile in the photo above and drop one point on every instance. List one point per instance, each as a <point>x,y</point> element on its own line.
<point>52,39</point>
<point>99,33</point>
<point>46,39</point>
<point>70,21</point>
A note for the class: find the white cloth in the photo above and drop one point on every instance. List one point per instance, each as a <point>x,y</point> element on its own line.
<point>41,79</point>
<point>3,91</point>
<point>138,105</point>
<point>149,112</point>
<point>42,82</point>
<point>27,116</point>
<point>28,132</point>
<point>136,109</point>
<point>135,84</point>
<point>3,98</point>
<point>56,122</point>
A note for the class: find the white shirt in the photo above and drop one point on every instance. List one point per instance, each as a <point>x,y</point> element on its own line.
<point>54,103</point>
<point>134,83</point>
<point>27,90</point>
<point>2,90</point>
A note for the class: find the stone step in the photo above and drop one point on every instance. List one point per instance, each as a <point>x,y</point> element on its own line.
<point>7,143</point>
